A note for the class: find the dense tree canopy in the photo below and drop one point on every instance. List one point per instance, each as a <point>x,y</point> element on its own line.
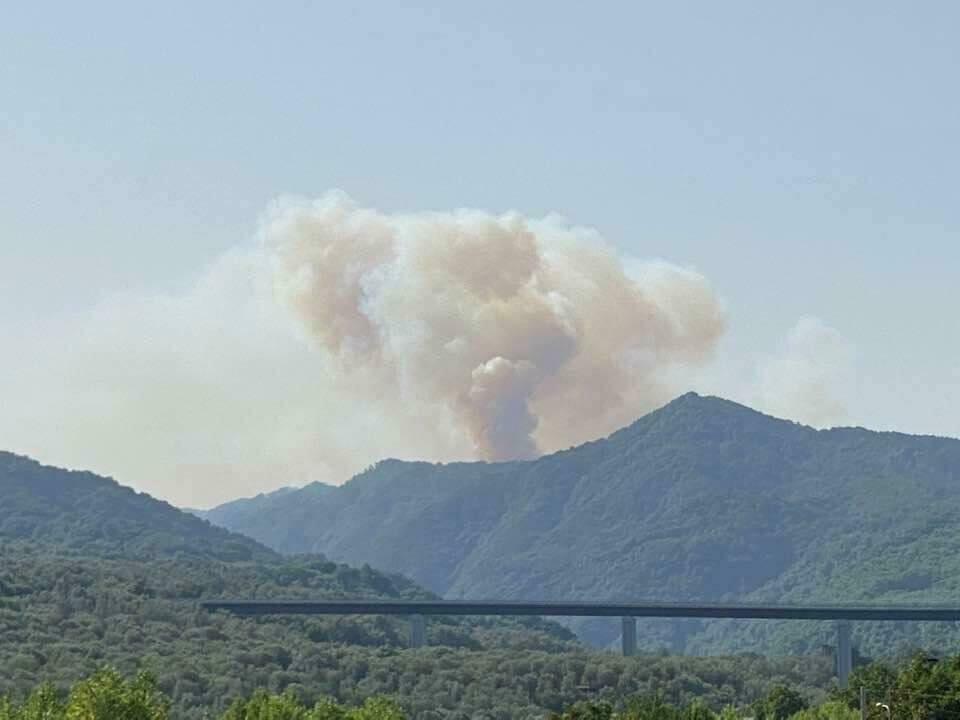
<point>918,690</point>
<point>96,574</point>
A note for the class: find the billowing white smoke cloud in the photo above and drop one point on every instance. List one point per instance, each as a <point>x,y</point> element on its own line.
<point>529,334</point>
<point>809,378</point>
<point>435,336</point>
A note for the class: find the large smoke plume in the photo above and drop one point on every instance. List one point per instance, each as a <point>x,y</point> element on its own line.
<point>529,335</point>
<point>346,335</point>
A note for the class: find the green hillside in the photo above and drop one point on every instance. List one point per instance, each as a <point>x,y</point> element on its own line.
<point>98,516</point>
<point>93,573</point>
<point>703,499</point>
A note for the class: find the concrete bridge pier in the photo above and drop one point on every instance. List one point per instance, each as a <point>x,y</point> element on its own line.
<point>844,652</point>
<point>628,636</point>
<point>418,631</point>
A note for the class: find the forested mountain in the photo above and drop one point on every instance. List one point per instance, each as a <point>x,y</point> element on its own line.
<point>703,499</point>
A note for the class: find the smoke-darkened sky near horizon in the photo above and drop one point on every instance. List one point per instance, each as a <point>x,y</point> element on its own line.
<point>245,245</point>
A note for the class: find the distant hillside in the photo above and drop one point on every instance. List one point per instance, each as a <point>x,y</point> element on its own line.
<point>703,499</point>
<point>236,507</point>
<point>245,510</point>
<point>95,515</point>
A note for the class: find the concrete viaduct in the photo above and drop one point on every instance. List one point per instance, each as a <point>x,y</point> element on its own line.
<point>419,610</point>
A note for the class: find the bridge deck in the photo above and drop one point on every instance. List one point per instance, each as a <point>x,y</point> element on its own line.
<point>586,609</point>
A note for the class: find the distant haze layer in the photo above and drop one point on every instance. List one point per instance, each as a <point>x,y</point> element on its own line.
<point>345,335</point>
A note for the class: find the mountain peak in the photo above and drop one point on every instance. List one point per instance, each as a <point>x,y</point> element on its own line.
<point>712,403</point>
<point>692,415</point>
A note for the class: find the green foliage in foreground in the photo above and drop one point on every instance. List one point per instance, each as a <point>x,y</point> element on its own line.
<point>104,696</point>
<point>832,710</point>
<point>780,703</point>
<point>919,690</point>
<point>263,706</point>
<point>922,689</point>
<point>654,708</point>
<point>107,695</point>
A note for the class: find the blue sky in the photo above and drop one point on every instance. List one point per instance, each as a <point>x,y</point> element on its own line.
<point>802,156</point>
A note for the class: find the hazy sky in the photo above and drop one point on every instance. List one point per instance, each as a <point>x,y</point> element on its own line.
<point>803,157</point>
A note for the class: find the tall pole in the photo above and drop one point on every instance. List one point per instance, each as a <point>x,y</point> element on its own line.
<point>844,652</point>
<point>418,631</point>
<point>628,636</point>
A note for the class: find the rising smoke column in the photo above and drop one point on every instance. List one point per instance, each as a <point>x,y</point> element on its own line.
<point>530,335</point>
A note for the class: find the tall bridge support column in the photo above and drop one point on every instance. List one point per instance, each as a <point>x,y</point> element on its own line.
<point>844,652</point>
<point>418,631</point>
<point>628,636</point>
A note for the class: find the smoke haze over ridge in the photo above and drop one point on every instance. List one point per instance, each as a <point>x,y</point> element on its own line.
<point>345,335</point>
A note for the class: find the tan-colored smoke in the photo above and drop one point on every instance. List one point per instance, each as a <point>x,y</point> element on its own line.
<point>529,335</point>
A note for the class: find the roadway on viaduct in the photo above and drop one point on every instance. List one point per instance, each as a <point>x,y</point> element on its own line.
<point>586,609</point>
<point>418,610</point>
